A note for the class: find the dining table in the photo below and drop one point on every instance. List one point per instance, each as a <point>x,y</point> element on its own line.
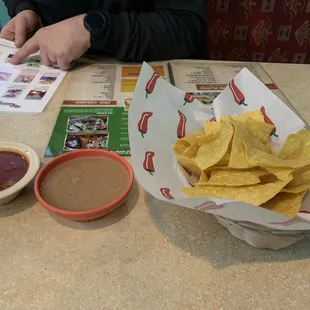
<point>147,254</point>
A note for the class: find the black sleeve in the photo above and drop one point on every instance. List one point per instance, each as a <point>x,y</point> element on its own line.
<point>175,29</point>
<point>16,6</point>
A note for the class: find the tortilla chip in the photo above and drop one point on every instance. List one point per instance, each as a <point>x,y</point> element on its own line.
<point>287,204</point>
<point>255,115</point>
<point>202,180</point>
<point>203,177</point>
<point>297,185</point>
<point>225,160</point>
<point>252,194</point>
<point>246,136</point>
<point>180,147</point>
<point>235,177</point>
<point>202,184</point>
<point>294,145</point>
<point>268,178</point>
<point>296,189</point>
<point>281,173</point>
<point>192,138</point>
<point>191,151</point>
<point>188,164</point>
<point>206,139</point>
<point>259,130</point>
<point>306,175</point>
<point>210,154</point>
<point>263,159</point>
<point>212,128</point>
<point>306,152</point>
<point>238,158</point>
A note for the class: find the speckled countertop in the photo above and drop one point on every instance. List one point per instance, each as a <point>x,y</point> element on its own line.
<point>147,254</point>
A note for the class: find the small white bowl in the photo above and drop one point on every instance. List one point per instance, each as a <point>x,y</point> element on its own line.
<point>33,159</point>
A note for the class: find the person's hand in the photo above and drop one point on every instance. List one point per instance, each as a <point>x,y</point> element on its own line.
<point>21,27</point>
<point>60,44</point>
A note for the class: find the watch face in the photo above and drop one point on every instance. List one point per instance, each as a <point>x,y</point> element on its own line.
<point>96,21</point>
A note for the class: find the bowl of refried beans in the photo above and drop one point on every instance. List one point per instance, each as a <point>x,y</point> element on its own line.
<point>84,185</point>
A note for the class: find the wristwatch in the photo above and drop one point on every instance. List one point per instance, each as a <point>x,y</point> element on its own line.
<point>96,23</point>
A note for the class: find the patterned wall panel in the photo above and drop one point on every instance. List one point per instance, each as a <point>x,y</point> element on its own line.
<point>259,30</point>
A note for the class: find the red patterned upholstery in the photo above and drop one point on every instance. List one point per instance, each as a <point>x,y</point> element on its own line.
<point>259,30</point>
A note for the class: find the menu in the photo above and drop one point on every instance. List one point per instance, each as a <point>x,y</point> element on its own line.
<point>98,97</point>
<point>28,87</point>
<point>205,80</point>
<point>95,116</point>
<point>87,124</point>
<point>109,82</point>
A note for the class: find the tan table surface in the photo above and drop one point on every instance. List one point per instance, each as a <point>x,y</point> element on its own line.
<point>147,254</point>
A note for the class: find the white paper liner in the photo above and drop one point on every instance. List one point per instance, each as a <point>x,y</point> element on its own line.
<point>262,237</point>
<point>160,113</point>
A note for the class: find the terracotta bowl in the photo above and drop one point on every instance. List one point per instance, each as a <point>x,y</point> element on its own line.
<point>33,159</point>
<point>88,215</point>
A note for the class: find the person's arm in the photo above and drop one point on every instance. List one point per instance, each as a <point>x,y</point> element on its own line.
<point>176,29</point>
<point>16,6</point>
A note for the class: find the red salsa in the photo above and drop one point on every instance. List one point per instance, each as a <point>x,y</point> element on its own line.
<point>13,168</point>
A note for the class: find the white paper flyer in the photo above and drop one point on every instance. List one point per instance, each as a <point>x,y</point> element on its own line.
<point>28,87</point>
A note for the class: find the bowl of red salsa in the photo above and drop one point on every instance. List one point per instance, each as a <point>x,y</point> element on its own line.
<point>18,166</point>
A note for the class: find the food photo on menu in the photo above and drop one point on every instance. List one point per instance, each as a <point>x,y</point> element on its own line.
<point>26,76</point>
<point>36,94</point>
<point>87,123</point>
<point>86,141</point>
<point>47,79</point>
<point>205,97</point>
<point>4,76</point>
<point>13,92</point>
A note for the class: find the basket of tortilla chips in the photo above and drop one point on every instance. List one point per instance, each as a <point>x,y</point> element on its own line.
<point>246,158</point>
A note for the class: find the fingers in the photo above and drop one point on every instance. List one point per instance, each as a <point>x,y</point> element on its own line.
<point>20,32</point>
<point>7,35</point>
<point>8,32</point>
<point>64,65</point>
<point>45,58</point>
<point>29,48</point>
<point>48,52</point>
<point>52,58</point>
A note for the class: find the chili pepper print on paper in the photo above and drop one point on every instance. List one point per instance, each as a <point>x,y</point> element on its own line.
<point>269,121</point>
<point>143,123</point>
<point>209,206</point>
<point>181,130</point>
<point>237,94</point>
<point>150,85</point>
<point>166,193</point>
<point>148,164</point>
<point>286,223</point>
<point>188,98</point>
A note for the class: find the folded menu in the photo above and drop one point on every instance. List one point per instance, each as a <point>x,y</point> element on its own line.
<point>28,87</point>
<point>161,114</point>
